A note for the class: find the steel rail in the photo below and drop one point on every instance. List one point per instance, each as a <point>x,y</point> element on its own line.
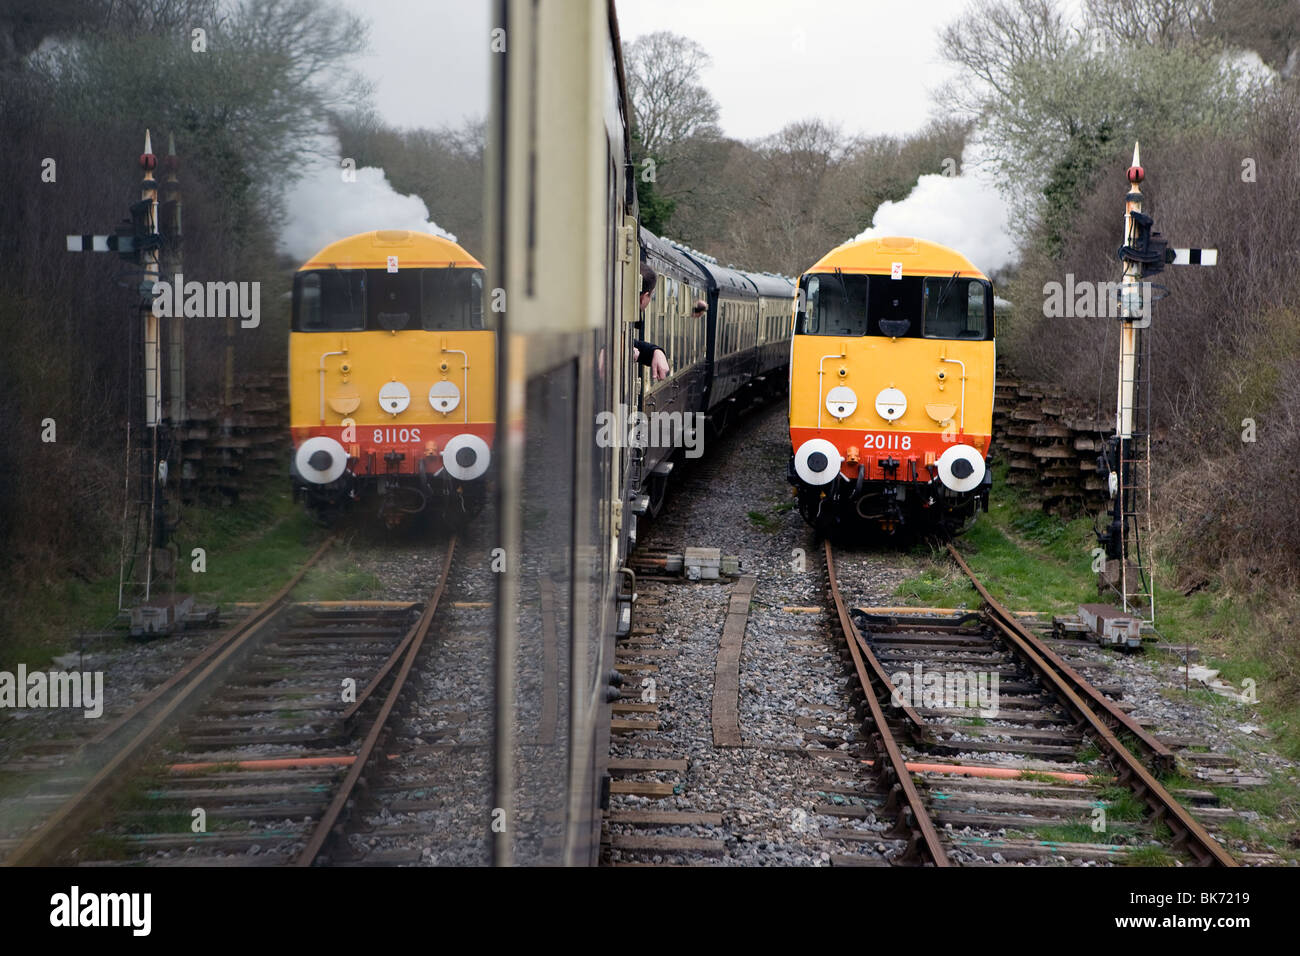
<point>263,610</point>
<point>1132,772</point>
<point>1160,755</point>
<point>925,836</point>
<point>60,828</point>
<point>326,825</point>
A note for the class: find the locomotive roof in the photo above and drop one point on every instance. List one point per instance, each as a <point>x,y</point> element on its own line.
<point>370,250</point>
<point>919,257</point>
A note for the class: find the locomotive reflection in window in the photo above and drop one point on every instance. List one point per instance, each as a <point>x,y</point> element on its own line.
<point>911,307</point>
<point>354,300</point>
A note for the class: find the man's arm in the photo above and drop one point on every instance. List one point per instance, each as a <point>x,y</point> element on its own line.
<point>653,357</point>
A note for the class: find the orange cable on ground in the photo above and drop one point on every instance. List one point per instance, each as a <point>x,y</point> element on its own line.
<point>1005,773</point>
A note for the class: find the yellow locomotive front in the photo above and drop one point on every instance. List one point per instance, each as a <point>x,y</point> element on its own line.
<point>391,377</point>
<point>891,388</point>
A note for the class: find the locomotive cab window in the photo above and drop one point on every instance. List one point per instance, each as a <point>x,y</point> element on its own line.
<point>937,307</point>
<point>393,300</point>
<point>862,305</point>
<point>329,300</point>
<point>836,306</point>
<point>353,300</point>
<point>956,308</point>
<point>451,300</point>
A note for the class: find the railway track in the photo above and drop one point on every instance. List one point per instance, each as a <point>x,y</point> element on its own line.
<point>1003,783</point>
<point>252,752</point>
<point>757,744</point>
<point>423,795</point>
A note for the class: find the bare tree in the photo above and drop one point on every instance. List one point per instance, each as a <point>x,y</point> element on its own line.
<point>1159,23</point>
<point>994,38</point>
<point>669,102</point>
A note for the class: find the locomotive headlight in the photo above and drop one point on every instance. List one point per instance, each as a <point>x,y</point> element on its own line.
<point>817,461</point>
<point>466,457</point>
<point>961,468</point>
<point>320,460</point>
<point>841,401</point>
<point>394,398</point>
<point>890,404</point>
<point>444,396</point>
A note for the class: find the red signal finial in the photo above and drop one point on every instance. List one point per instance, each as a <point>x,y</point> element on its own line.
<point>148,161</point>
<point>1135,172</point>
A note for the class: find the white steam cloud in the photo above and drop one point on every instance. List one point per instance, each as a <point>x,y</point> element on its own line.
<point>965,212</point>
<point>323,207</point>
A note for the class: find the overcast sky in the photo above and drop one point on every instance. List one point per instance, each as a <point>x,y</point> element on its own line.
<point>868,65</point>
<point>428,59</point>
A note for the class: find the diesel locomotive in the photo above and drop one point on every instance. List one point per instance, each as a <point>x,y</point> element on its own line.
<point>891,389</point>
<point>392,378</point>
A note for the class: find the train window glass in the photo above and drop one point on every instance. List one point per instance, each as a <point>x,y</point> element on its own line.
<point>451,299</point>
<point>837,305</point>
<point>674,342</point>
<point>329,300</point>
<point>692,329</point>
<point>954,308</point>
<point>665,326</point>
<point>393,299</point>
<point>701,326</point>
<point>682,358</point>
<point>679,335</point>
<point>976,315</point>
<point>892,302</point>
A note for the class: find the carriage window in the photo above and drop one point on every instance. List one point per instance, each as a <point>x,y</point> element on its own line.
<point>955,308</point>
<point>451,299</point>
<point>329,300</point>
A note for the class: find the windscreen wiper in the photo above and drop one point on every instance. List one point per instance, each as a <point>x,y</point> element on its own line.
<point>944,294</point>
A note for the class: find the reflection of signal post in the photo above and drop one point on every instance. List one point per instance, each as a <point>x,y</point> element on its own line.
<point>150,261</point>
<point>139,241</point>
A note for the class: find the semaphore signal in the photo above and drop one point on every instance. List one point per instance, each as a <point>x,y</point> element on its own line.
<point>1126,463</point>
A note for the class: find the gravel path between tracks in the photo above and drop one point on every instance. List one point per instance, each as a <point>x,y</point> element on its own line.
<point>793,694</point>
